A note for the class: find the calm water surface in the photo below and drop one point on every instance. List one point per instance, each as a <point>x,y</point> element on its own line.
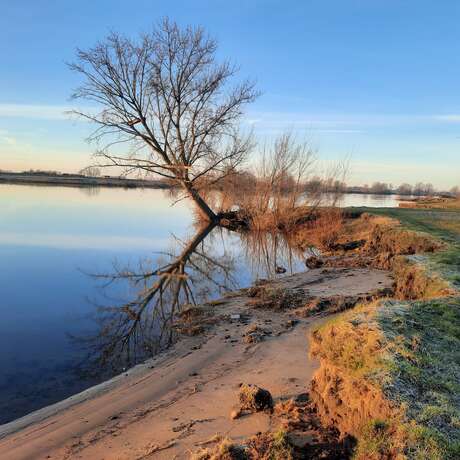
<point>51,238</point>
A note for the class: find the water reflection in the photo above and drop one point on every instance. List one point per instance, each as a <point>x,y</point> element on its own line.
<point>90,190</point>
<point>195,272</point>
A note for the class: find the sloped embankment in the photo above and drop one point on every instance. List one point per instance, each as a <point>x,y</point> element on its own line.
<point>390,371</point>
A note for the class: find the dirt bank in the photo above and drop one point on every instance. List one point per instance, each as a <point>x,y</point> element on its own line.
<point>175,403</point>
<point>388,371</point>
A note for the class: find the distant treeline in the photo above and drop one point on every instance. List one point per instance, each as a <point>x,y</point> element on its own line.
<point>39,177</point>
<point>245,181</point>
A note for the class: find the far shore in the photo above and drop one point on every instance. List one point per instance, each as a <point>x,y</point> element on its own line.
<point>76,180</point>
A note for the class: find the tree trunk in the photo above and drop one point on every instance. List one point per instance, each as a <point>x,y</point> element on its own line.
<point>203,207</point>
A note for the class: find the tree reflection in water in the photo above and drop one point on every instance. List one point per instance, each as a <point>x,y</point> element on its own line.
<point>194,273</point>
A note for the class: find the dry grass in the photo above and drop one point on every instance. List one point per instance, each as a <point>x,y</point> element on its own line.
<point>193,320</point>
<point>389,370</point>
<point>432,203</point>
<point>270,446</point>
<point>282,190</point>
<point>269,297</point>
<point>263,446</point>
<point>225,450</point>
<point>352,341</point>
<point>321,231</point>
<point>396,241</point>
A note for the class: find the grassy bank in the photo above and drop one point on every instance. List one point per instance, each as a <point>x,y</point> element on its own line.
<point>390,371</point>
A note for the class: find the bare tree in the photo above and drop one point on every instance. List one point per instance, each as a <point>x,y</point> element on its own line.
<point>380,188</point>
<point>90,171</point>
<point>168,98</point>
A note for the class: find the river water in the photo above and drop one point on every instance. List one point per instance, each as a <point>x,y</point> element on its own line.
<point>52,239</point>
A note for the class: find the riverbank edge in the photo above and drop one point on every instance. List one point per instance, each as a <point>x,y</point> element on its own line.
<point>376,357</point>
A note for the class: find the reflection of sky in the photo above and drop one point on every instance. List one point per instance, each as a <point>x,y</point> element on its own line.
<point>48,236</point>
<point>114,219</point>
<point>81,241</point>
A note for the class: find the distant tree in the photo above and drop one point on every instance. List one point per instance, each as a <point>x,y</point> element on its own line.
<point>165,95</point>
<point>314,185</point>
<point>422,189</point>
<point>455,191</point>
<point>91,171</point>
<point>404,189</point>
<point>419,188</point>
<point>380,188</point>
<point>429,190</point>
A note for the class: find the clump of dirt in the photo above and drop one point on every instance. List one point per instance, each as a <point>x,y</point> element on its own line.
<point>299,435</point>
<point>255,334</point>
<point>270,297</point>
<point>254,399</point>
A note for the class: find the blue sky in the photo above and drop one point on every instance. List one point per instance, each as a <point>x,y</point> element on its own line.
<point>375,79</point>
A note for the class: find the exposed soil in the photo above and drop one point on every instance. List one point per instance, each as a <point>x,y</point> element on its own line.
<point>345,390</point>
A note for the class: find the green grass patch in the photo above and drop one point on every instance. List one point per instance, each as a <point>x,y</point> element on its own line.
<point>424,339</point>
<point>440,223</point>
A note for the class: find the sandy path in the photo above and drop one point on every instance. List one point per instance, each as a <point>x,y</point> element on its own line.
<point>184,397</point>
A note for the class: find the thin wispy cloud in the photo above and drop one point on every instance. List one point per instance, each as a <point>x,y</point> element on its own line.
<point>450,118</point>
<point>341,123</point>
<point>6,138</point>
<point>38,112</point>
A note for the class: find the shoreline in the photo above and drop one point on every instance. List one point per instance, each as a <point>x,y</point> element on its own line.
<point>202,368</point>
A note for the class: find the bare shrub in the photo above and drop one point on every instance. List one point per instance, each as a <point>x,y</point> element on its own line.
<point>279,188</point>
<point>284,188</point>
